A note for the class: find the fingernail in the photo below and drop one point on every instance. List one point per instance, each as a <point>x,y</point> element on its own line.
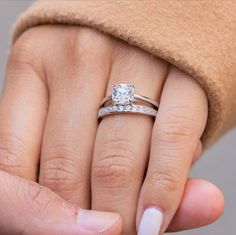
<point>151,222</point>
<point>96,221</point>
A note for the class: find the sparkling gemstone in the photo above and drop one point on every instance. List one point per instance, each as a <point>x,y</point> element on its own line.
<point>120,108</point>
<point>123,94</point>
<point>109,109</point>
<point>128,107</point>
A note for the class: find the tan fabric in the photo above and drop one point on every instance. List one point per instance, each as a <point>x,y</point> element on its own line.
<point>196,36</point>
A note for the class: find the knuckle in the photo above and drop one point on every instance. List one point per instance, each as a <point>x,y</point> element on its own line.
<point>177,128</point>
<point>165,182</point>
<point>114,167</point>
<point>24,53</point>
<point>87,44</point>
<point>125,54</point>
<point>12,153</point>
<point>60,170</point>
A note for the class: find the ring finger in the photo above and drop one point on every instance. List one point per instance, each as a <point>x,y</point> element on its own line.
<point>122,143</point>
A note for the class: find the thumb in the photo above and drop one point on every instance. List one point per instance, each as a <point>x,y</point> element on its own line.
<point>28,208</point>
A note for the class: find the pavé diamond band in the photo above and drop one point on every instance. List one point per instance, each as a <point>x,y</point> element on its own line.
<point>123,94</point>
<point>122,101</point>
<point>104,111</point>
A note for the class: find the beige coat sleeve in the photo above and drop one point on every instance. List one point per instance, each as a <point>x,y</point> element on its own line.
<point>199,37</point>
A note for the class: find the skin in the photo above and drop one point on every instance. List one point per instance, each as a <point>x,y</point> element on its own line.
<point>49,134</point>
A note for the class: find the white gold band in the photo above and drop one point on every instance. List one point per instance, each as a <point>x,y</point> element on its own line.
<point>135,98</point>
<point>140,109</point>
<point>122,101</point>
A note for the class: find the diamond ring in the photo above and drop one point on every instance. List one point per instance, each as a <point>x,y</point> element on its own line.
<point>123,100</point>
<point>123,94</point>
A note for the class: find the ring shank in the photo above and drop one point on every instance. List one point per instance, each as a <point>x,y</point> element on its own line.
<point>136,97</point>
<point>140,109</point>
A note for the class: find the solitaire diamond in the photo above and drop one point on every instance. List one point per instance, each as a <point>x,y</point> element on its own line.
<point>122,94</point>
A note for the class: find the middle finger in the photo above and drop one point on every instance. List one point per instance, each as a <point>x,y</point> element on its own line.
<point>77,75</point>
<point>123,141</point>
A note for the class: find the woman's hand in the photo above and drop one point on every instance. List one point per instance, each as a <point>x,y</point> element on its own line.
<point>27,208</point>
<point>56,79</point>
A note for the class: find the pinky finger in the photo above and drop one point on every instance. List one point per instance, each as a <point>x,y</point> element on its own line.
<point>178,127</point>
<point>198,152</point>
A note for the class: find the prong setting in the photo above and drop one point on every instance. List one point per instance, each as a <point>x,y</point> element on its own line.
<point>123,94</point>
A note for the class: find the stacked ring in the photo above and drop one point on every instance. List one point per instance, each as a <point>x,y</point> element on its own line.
<point>123,100</point>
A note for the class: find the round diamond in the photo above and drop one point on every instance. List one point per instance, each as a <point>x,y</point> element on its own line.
<point>109,109</point>
<point>120,108</point>
<point>106,110</point>
<point>128,107</point>
<point>101,111</point>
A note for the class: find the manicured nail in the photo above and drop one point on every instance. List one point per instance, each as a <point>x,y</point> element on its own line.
<point>96,221</point>
<point>151,222</point>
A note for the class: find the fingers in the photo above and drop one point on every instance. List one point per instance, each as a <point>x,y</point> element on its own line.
<point>178,127</point>
<point>198,152</point>
<point>23,109</point>
<point>28,208</point>
<point>202,204</point>
<point>77,84</point>
<point>123,141</point>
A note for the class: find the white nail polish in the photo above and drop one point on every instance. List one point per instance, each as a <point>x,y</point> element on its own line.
<point>151,222</point>
<point>96,221</point>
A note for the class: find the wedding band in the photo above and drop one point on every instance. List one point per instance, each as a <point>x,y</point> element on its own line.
<point>123,94</point>
<point>123,98</point>
<point>140,109</point>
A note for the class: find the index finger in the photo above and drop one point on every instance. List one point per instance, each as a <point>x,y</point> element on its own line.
<point>178,127</point>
